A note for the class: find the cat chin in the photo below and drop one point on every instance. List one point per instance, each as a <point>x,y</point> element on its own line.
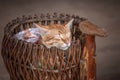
<point>64,48</point>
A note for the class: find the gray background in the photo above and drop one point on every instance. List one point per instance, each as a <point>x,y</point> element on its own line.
<point>104,13</point>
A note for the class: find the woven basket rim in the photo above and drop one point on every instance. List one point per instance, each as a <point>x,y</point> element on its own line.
<point>21,20</point>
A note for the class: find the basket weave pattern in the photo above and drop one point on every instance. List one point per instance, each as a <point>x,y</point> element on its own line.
<point>27,61</point>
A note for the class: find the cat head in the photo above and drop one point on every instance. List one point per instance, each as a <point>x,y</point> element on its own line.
<point>56,35</point>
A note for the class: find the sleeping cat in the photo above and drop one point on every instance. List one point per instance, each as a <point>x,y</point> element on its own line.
<point>56,35</point>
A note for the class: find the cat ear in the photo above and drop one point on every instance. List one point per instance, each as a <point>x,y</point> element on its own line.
<point>42,29</point>
<point>69,24</point>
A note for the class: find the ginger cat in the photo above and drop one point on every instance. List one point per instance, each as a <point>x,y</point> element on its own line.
<point>56,35</point>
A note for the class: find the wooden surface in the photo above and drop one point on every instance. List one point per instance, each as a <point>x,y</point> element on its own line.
<point>89,57</point>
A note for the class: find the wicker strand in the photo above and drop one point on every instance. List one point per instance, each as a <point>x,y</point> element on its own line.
<point>27,61</point>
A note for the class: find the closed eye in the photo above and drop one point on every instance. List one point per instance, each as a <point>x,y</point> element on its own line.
<point>57,36</point>
<point>61,36</point>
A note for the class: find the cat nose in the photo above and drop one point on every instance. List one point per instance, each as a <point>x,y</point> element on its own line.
<point>68,44</point>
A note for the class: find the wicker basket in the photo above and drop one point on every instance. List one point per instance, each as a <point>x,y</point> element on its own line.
<point>27,61</point>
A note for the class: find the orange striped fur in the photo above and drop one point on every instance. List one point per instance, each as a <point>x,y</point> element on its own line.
<point>56,35</point>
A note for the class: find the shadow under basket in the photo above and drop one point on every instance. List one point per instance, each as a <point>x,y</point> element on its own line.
<point>31,61</point>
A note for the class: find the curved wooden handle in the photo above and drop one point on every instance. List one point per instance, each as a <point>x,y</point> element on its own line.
<point>89,28</point>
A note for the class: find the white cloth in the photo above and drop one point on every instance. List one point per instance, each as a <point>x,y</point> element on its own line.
<point>33,35</point>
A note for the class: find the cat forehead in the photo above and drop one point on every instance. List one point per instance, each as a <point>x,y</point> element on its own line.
<point>63,35</point>
<point>57,27</point>
<point>58,31</point>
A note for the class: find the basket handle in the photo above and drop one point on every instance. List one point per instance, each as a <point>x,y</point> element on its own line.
<point>89,28</point>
